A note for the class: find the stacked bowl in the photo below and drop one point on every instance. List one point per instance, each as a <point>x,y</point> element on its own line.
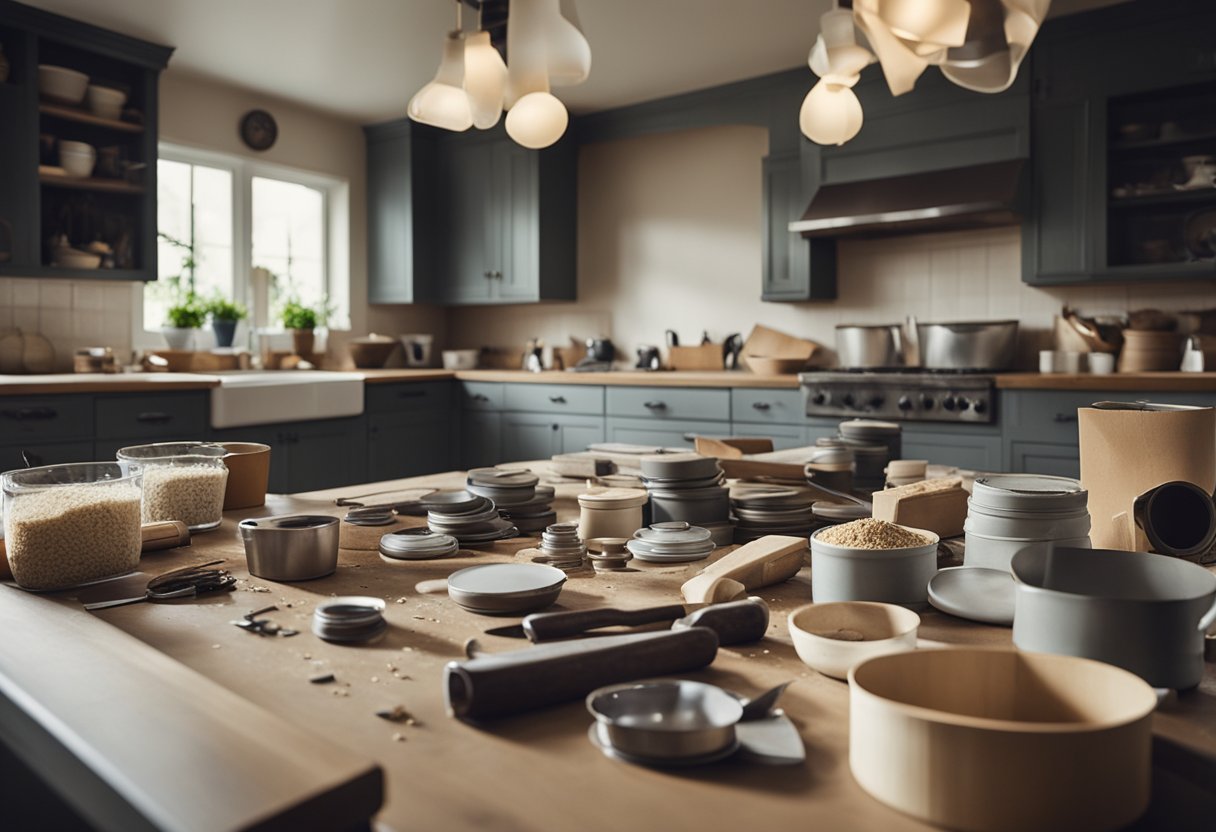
<point>771,509</point>
<point>687,488</point>
<point>417,544</point>
<point>672,542</point>
<point>1008,513</point>
<point>516,495</point>
<point>470,518</point>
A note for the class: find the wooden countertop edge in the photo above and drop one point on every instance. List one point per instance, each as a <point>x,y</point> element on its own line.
<point>1165,382</point>
<point>135,385</point>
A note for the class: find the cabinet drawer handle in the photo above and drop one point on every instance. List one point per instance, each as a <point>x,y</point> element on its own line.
<point>655,405</point>
<point>153,416</point>
<point>479,397</point>
<point>761,405</point>
<point>30,414</point>
<point>1064,417</point>
<point>410,394</point>
<point>558,399</point>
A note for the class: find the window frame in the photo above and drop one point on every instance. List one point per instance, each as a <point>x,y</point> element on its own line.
<point>335,238</point>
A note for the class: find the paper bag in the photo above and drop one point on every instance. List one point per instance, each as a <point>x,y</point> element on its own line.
<point>1128,448</point>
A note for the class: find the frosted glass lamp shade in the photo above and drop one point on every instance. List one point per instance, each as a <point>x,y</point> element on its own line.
<point>443,102</point>
<point>830,114</point>
<point>485,80</point>
<point>569,55</point>
<point>537,120</point>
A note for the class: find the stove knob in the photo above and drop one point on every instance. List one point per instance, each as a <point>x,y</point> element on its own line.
<point>848,400</point>
<point>963,404</point>
<point>820,397</point>
<point>949,402</point>
<point>876,402</point>
<point>904,403</point>
<point>980,406</point>
<point>926,401</point>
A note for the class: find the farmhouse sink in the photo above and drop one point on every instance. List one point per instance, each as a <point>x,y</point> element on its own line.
<point>247,397</point>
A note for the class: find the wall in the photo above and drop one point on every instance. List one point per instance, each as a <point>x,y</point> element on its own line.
<point>670,237</point>
<point>202,113</point>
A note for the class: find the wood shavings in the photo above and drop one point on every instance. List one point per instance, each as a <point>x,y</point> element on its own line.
<point>321,678</point>
<point>397,713</point>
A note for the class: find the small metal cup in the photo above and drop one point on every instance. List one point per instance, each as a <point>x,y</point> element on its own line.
<point>291,547</point>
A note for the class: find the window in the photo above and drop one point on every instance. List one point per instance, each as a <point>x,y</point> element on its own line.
<point>247,231</point>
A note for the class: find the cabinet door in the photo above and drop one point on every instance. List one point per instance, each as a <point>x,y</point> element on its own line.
<point>975,452</point>
<point>480,439</point>
<point>276,436</point>
<point>50,453</point>
<point>574,435</point>
<point>528,436</point>
<point>326,454</point>
<point>666,434</point>
<point>1045,458</point>
<point>516,197</point>
<point>783,436</point>
<point>406,444</point>
<point>470,228</point>
<point>793,267</point>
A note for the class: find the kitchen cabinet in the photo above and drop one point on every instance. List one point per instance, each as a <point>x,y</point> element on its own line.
<point>35,208</point>
<point>668,433</point>
<point>401,181</point>
<point>409,429</point>
<point>527,436</point>
<point>793,268</point>
<point>783,436</point>
<point>505,219</point>
<point>1053,459</point>
<point>480,439</point>
<point>309,456</point>
<point>664,403</point>
<point>975,449</point>
<point>123,420</point>
<point>1121,95</point>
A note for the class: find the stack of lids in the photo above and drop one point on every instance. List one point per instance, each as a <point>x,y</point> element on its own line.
<point>417,544</point>
<point>874,444</point>
<point>869,460</point>
<point>609,554</point>
<point>349,619</point>
<point>671,542</point>
<point>503,588</point>
<point>469,518</point>
<point>561,547</point>
<point>516,494</point>
<point>771,509</point>
<point>687,488</point>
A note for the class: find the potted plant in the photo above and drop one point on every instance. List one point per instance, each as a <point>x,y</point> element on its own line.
<point>183,318</point>
<point>225,314</point>
<point>301,320</point>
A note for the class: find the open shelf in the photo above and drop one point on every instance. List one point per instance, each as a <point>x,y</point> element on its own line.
<point>1165,198</point>
<point>1171,141</point>
<point>110,186</point>
<point>85,117</point>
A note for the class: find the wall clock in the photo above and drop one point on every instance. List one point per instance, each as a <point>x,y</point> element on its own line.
<point>258,129</point>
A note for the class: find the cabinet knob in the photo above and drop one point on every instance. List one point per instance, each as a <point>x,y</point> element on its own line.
<point>761,405</point>
<point>654,405</point>
<point>557,427</point>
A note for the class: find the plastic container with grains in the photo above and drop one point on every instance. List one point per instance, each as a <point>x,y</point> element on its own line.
<point>873,560</point>
<point>182,481</point>
<point>66,525</point>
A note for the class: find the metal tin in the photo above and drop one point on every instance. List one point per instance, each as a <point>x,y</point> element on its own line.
<point>291,547</point>
<point>665,719</point>
<point>894,576</point>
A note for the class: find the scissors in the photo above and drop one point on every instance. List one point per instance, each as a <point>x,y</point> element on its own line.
<point>187,582</point>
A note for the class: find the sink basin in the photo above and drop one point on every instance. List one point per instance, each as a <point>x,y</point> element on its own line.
<point>247,397</point>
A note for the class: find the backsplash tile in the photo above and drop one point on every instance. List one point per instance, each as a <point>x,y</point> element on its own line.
<point>71,314</point>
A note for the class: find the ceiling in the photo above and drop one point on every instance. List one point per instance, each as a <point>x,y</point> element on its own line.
<point>363,59</point>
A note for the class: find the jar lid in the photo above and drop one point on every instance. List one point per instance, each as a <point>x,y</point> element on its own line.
<point>173,451</point>
<point>1028,492</point>
<point>611,498</point>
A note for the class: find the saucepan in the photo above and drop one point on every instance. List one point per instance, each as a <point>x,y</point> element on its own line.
<point>1145,613</point>
<point>869,346</point>
<point>967,345</point>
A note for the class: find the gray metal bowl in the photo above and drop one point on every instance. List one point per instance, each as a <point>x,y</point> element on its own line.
<point>666,719</point>
<point>291,547</point>
<point>1144,613</point>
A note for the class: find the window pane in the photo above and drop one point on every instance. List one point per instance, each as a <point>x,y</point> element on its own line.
<point>194,218</point>
<point>289,240</point>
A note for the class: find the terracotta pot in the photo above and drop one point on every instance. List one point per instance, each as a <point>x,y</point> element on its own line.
<point>302,341</point>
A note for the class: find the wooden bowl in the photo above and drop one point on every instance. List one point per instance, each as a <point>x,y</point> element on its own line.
<point>371,353</point>
<point>995,740</point>
<point>765,366</point>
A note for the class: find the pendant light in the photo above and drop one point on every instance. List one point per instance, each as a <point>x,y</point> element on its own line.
<point>999,35</point>
<point>535,117</point>
<point>831,112</point>
<point>485,78</point>
<point>443,102</point>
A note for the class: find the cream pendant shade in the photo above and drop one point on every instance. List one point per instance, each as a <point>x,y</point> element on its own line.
<point>997,71</point>
<point>485,80</point>
<point>941,22</point>
<point>527,70</point>
<point>830,114</point>
<point>569,54</point>
<point>443,102</point>
<point>836,51</point>
<point>537,120</point>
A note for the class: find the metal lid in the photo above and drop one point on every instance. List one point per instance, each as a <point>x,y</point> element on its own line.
<point>611,498</point>
<point>502,477</point>
<point>417,544</point>
<point>1028,492</point>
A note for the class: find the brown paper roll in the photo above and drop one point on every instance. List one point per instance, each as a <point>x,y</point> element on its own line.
<point>1126,449</point>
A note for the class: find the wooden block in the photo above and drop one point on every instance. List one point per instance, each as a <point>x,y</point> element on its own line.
<point>582,465</point>
<point>938,506</point>
<point>769,560</point>
<point>701,357</point>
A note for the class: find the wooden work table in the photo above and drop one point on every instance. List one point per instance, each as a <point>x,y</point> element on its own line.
<point>537,771</point>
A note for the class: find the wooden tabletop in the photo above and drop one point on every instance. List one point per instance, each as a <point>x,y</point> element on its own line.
<point>538,771</point>
<point>1155,382</point>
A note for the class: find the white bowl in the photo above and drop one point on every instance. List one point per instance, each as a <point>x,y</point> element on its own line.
<point>460,359</point>
<point>887,628</point>
<point>59,83</point>
<point>106,102</point>
<point>77,159</point>
<point>71,258</point>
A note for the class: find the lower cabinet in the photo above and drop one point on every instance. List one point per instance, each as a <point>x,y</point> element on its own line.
<point>783,436</point>
<point>664,433</point>
<point>408,444</point>
<point>950,445</point>
<point>527,436</point>
<point>1044,458</point>
<point>309,456</point>
<point>480,439</point>
<point>47,453</point>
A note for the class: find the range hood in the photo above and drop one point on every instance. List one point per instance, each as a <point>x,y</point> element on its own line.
<point>969,197</point>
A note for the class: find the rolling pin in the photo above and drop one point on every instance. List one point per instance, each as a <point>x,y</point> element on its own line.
<point>504,684</point>
<point>164,534</point>
<point>768,560</point>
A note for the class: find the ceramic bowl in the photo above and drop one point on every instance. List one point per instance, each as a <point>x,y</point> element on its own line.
<point>816,631</point>
<point>370,353</point>
<point>61,84</point>
<point>460,359</point>
<point>105,102</point>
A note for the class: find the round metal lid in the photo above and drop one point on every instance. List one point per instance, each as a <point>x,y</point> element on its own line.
<point>493,579</point>
<point>502,477</point>
<point>1029,492</point>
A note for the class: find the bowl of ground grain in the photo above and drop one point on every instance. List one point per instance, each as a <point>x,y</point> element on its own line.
<point>183,481</point>
<point>873,560</point>
<point>67,525</point>
<point>833,638</point>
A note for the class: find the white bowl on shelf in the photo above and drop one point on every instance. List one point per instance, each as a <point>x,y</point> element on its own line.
<point>74,258</point>
<point>77,158</point>
<point>61,84</point>
<point>460,359</point>
<point>106,102</point>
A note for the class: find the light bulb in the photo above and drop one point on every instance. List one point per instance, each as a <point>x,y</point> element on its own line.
<point>830,114</point>
<point>485,80</point>
<point>537,120</point>
<point>443,102</point>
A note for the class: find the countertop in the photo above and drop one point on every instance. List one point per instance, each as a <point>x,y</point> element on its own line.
<point>1163,382</point>
<point>39,385</point>
<point>532,772</point>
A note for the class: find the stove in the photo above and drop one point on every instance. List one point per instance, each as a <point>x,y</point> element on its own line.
<point>906,394</point>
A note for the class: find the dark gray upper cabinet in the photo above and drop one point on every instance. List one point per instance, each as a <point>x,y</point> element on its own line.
<point>793,268</point>
<point>1131,66</point>
<point>505,220</point>
<point>401,180</point>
